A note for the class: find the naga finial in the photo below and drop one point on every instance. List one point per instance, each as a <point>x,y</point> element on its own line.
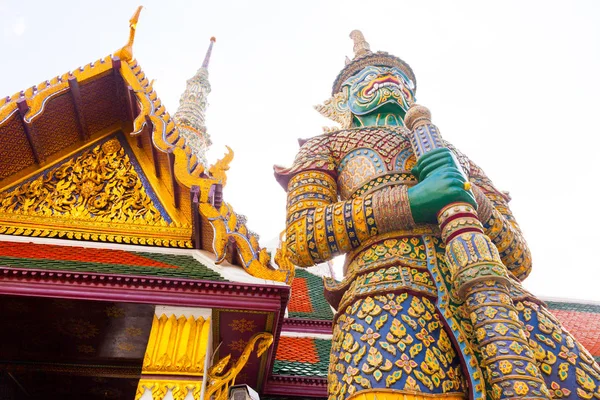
<point>125,53</point>
<point>219,380</point>
<point>361,46</point>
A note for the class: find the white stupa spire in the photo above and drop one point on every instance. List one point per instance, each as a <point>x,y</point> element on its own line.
<point>190,116</point>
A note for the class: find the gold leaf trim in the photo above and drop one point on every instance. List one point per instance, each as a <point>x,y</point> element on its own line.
<point>179,389</point>
<point>256,260</point>
<point>69,228</point>
<point>36,96</point>
<point>217,171</point>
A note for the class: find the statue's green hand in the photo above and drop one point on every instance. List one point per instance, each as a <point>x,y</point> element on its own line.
<point>441,187</point>
<point>432,160</point>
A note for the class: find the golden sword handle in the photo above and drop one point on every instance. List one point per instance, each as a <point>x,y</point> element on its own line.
<point>481,280</point>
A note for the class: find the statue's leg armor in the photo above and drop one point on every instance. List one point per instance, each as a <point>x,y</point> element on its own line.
<point>393,346</point>
<point>568,368</point>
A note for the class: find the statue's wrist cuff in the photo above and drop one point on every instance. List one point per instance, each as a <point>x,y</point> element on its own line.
<point>391,209</point>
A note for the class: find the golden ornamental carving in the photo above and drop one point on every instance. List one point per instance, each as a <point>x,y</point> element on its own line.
<point>177,346</point>
<point>336,109</point>
<point>282,257</point>
<point>217,170</point>
<point>255,260</point>
<point>179,389</point>
<point>97,196</point>
<point>125,53</point>
<point>137,232</point>
<point>165,134</point>
<point>220,380</point>
<point>100,184</point>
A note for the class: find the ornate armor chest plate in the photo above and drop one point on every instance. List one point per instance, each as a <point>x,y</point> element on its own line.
<point>370,158</point>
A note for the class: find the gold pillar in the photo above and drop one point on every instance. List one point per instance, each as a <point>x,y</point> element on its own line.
<point>175,359</point>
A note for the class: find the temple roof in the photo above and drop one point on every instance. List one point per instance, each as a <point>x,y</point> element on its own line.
<point>582,320</point>
<point>107,261</point>
<point>302,356</point>
<point>307,301</point>
<point>93,155</point>
<point>51,124</point>
<point>91,167</point>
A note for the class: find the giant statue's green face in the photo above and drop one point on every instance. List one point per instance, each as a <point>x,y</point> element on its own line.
<point>381,89</point>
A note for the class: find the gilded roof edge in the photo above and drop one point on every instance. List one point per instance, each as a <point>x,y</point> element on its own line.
<point>187,170</point>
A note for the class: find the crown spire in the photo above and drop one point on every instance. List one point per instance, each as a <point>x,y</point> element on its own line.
<point>190,116</point>
<point>364,57</point>
<point>361,46</point>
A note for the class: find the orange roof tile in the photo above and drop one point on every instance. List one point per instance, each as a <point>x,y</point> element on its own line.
<point>69,253</point>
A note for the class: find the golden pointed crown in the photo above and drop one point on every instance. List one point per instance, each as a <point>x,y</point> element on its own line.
<point>364,57</point>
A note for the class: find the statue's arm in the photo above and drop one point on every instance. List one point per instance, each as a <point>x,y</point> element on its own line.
<point>319,226</point>
<point>500,224</point>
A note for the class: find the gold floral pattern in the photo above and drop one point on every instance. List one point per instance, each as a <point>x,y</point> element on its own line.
<point>133,331</point>
<point>101,183</point>
<point>126,346</point>
<point>567,367</point>
<point>114,312</point>
<point>77,327</point>
<point>237,345</point>
<point>406,351</point>
<point>242,325</point>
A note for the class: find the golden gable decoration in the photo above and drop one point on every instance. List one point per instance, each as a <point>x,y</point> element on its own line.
<point>100,184</point>
<point>96,195</point>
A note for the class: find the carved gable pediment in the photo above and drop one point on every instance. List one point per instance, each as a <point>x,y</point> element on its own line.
<point>99,193</point>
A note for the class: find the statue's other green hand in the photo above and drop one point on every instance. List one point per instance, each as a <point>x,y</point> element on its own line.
<point>441,187</point>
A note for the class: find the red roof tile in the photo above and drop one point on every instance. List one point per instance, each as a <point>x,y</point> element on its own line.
<point>297,349</point>
<point>585,326</point>
<point>300,301</point>
<point>73,253</point>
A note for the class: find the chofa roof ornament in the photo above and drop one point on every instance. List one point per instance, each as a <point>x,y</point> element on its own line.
<point>125,53</point>
<point>363,57</point>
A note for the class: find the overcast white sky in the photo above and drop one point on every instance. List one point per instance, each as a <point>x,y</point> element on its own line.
<point>513,84</point>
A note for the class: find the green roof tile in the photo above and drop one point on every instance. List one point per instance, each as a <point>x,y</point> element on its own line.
<point>559,305</point>
<point>320,308</point>
<point>308,369</point>
<point>104,261</point>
